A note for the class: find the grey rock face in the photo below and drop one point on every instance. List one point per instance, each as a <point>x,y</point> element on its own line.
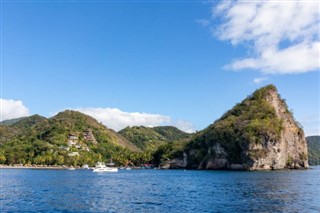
<point>216,158</point>
<point>178,163</point>
<point>290,151</point>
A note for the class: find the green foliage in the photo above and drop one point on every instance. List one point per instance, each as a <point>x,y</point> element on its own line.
<point>169,151</point>
<point>289,161</point>
<point>313,150</point>
<point>11,121</point>
<point>253,121</point>
<point>37,140</point>
<point>151,138</point>
<point>143,137</point>
<point>171,133</point>
<point>3,158</point>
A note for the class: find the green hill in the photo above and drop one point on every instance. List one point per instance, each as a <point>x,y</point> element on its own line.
<point>22,128</point>
<point>75,122</point>
<point>147,138</point>
<point>314,150</point>
<point>171,133</point>
<point>11,121</point>
<point>245,124</point>
<point>257,134</point>
<point>38,140</point>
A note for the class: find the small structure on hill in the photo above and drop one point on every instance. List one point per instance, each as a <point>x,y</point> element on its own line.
<point>88,136</point>
<point>73,154</point>
<point>66,148</point>
<point>72,139</point>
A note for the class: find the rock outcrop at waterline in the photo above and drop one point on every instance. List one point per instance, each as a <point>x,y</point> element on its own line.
<point>260,133</point>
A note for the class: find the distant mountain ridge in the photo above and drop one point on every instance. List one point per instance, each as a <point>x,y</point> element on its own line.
<point>260,133</point>
<point>314,150</point>
<point>11,121</point>
<point>73,138</point>
<point>150,138</point>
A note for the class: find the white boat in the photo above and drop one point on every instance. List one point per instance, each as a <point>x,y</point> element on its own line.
<point>85,166</point>
<point>100,167</point>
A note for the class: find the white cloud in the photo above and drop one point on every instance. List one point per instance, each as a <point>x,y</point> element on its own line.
<point>184,126</point>
<point>116,119</point>
<point>260,80</point>
<point>283,36</point>
<point>311,124</point>
<point>12,109</point>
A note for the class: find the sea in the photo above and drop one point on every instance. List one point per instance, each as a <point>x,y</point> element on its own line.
<point>30,190</point>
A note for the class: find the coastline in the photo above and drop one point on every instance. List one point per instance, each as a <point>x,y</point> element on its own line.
<point>37,167</point>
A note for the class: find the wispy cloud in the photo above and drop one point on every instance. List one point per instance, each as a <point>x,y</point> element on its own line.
<point>260,80</point>
<point>12,109</point>
<point>116,119</point>
<point>311,124</point>
<point>184,125</point>
<point>282,36</point>
<point>203,22</point>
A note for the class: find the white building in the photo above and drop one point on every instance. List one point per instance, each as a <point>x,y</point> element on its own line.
<point>73,154</point>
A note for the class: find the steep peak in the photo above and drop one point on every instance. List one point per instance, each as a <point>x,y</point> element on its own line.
<point>258,133</point>
<point>264,92</point>
<point>257,105</point>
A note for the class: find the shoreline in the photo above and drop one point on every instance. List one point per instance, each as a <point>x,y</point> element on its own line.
<point>38,167</point>
<point>46,167</point>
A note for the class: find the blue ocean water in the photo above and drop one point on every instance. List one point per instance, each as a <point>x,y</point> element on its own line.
<point>24,190</point>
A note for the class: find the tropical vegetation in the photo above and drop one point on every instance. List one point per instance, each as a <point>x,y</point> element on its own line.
<point>149,139</point>
<point>38,140</point>
<point>314,150</point>
<point>41,141</point>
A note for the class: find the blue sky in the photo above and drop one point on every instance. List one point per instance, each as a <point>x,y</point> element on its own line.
<point>177,63</point>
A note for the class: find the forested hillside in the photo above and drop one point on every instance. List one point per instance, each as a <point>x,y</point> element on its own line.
<point>314,150</point>
<point>147,138</point>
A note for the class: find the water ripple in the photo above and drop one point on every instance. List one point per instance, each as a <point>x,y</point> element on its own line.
<point>159,191</point>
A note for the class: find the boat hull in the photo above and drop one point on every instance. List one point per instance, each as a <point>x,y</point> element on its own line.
<point>106,170</point>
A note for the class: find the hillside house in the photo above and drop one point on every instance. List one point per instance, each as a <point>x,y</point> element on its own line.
<point>72,139</point>
<point>86,148</point>
<point>88,136</point>
<point>73,154</point>
<point>65,148</point>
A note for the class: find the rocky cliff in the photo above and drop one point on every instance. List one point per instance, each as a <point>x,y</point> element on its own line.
<point>290,150</point>
<point>260,133</point>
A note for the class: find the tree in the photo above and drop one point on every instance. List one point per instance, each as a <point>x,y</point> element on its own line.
<point>2,158</point>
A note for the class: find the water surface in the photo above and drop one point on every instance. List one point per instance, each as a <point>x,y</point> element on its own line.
<point>24,190</point>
